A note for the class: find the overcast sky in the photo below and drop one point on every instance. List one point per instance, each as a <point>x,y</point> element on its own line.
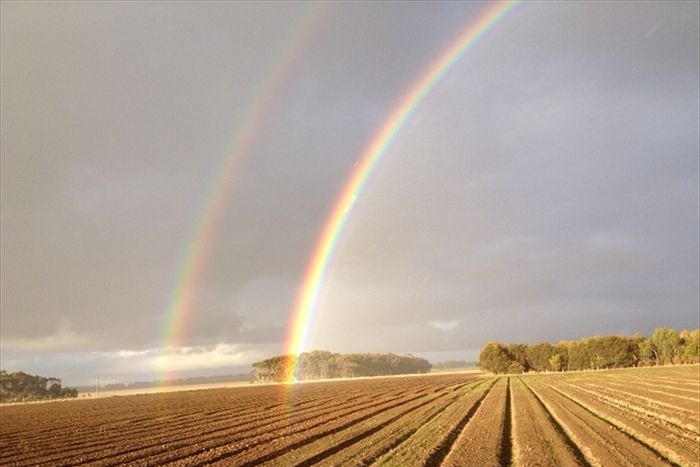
<point>546,189</point>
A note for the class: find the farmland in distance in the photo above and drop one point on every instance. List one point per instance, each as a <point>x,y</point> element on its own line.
<point>645,416</point>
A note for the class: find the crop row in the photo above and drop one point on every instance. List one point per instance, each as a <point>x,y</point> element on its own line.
<point>609,418</point>
<point>620,417</point>
<point>238,424</point>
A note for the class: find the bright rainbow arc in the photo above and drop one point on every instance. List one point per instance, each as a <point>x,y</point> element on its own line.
<point>305,304</point>
<point>178,313</point>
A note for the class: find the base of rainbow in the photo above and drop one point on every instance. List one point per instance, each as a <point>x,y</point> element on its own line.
<point>306,300</point>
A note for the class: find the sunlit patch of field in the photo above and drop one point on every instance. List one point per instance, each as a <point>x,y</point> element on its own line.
<point>159,389</point>
<point>645,416</point>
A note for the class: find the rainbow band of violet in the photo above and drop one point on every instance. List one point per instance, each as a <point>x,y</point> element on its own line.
<point>303,312</point>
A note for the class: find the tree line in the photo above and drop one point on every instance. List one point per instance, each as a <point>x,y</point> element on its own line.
<point>664,346</point>
<point>321,364</point>
<point>20,386</point>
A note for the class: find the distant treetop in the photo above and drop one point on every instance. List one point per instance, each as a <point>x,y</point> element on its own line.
<point>20,386</point>
<point>321,364</point>
<point>664,346</point>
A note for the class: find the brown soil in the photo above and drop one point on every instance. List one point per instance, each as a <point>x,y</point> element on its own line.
<point>538,440</point>
<point>486,439</point>
<point>676,444</point>
<point>430,443</point>
<point>601,442</point>
<point>446,419</point>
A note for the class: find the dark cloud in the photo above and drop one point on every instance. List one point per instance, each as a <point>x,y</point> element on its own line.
<point>547,188</point>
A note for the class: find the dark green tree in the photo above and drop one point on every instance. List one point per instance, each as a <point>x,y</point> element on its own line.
<point>20,386</point>
<point>666,345</point>
<point>494,358</point>
<point>538,356</point>
<point>518,352</point>
<point>691,346</point>
<point>323,364</point>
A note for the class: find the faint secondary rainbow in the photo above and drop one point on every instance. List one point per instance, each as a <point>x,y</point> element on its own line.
<point>304,307</point>
<point>192,265</point>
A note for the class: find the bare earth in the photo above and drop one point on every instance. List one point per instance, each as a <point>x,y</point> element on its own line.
<point>633,417</point>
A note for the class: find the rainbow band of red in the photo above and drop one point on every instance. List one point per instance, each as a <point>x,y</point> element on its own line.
<point>305,304</point>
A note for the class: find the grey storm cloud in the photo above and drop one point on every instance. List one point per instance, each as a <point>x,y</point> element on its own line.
<point>546,188</point>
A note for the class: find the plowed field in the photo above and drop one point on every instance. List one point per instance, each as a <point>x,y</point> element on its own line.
<point>629,417</point>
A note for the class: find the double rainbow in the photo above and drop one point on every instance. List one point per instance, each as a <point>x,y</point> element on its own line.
<point>192,266</point>
<point>305,304</point>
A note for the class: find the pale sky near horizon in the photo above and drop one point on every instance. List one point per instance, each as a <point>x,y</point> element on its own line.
<point>546,189</point>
